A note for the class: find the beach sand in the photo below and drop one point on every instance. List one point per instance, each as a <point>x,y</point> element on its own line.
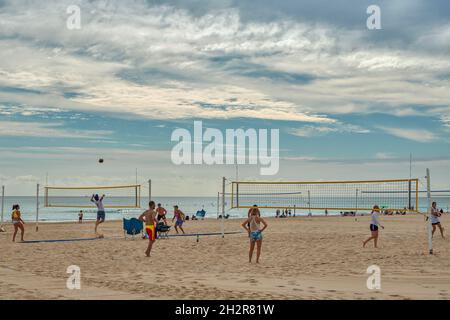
<point>302,258</point>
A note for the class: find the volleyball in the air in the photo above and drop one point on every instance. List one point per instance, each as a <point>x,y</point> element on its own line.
<point>100,160</point>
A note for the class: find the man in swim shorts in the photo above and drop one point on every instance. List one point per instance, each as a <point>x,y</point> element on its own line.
<point>161,211</point>
<point>149,217</point>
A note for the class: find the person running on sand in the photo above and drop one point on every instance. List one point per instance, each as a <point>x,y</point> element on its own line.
<point>17,221</point>
<point>253,227</point>
<point>375,223</point>
<point>100,211</point>
<point>161,213</point>
<point>149,217</point>
<point>435,214</point>
<point>180,218</point>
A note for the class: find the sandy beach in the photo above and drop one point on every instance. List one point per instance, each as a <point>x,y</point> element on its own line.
<point>302,258</point>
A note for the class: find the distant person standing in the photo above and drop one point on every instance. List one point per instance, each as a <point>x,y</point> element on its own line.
<point>17,221</point>
<point>80,216</point>
<point>100,211</point>
<point>435,214</point>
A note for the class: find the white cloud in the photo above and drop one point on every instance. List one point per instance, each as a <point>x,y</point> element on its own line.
<point>384,156</point>
<point>446,120</point>
<point>419,135</point>
<point>54,130</point>
<point>348,75</point>
<point>312,131</point>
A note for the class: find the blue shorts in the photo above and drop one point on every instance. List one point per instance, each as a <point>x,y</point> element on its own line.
<point>100,215</point>
<point>255,236</point>
<point>179,223</point>
<point>373,227</point>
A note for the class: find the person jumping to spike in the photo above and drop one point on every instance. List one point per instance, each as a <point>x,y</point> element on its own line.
<point>100,211</point>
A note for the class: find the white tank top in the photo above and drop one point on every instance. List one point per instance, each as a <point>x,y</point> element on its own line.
<point>254,226</point>
<point>434,219</point>
<point>375,218</point>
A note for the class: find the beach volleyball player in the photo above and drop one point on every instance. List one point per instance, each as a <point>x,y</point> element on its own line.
<point>180,217</point>
<point>435,222</point>
<point>149,217</point>
<point>100,211</point>
<point>161,211</point>
<point>253,227</point>
<point>375,223</point>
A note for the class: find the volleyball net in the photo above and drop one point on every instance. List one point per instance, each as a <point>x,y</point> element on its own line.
<point>390,195</point>
<point>80,197</point>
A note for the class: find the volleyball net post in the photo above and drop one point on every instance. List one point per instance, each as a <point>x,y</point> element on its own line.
<point>37,208</point>
<point>399,195</point>
<point>149,190</point>
<point>223,207</point>
<point>218,204</point>
<point>126,196</point>
<point>430,235</point>
<point>2,205</point>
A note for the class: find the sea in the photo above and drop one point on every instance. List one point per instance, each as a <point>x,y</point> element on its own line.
<point>189,205</point>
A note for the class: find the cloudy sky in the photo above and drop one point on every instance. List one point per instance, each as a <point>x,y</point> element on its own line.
<point>350,103</point>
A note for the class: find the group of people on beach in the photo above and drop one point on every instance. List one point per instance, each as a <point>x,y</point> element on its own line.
<point>283,213</point>
<point>375,223</point>
<point>150,217</point>
<point>254,224</point>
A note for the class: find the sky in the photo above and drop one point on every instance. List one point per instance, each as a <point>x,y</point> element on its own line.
<point>349,102</point>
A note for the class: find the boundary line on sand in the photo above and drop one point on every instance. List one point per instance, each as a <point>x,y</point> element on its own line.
<point>117,237</point>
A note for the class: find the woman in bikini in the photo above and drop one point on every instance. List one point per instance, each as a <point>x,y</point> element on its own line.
<point>17,221</point>
<point>253,227</point>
